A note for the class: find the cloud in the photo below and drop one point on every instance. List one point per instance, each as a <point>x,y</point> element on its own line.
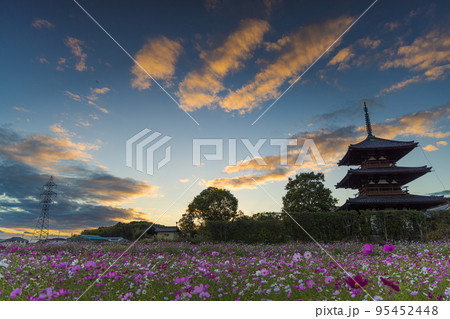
<point>184,180</point>
<point>60,131</point>
<point>354,54</point>
<point>341,58</point>
<point>73,96</point>
<point>400,85</point>
<point>42,24</point>
<point>300,50</point>
<point>441,143</point>
<point>428,57</point>
<point>95,92</point>
<point>332,144</point>
<point>20,109</point>
<point>76,47</point>
<point>248,181</point>
<point>88,196</point>
<point>61,64</point>
<point>430,148</point>
<point>200,87</point>
<point>102,109</point>
<point>43,61</point>
<point>445,192</point>
<point>42,151</point>
<point>158,58</point>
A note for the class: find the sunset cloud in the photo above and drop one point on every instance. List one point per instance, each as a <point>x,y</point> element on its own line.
<point>42,24</point>
<point>200,87</point>
<point>76,46</point>
<point>73,96</point>
<point>430,148</point>
<point>300,50</point>
<point>157,57</point>
<point>42,151</point>
<point>428,57</point>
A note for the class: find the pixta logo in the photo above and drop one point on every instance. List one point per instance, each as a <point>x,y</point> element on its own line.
<point>147,142</point>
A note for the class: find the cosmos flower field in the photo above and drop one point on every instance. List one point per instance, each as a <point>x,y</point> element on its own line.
<point>227,271</point>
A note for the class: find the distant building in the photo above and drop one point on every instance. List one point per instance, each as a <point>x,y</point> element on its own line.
<point>56,240</point>
<point>167,232</point>
<point>15,240</point>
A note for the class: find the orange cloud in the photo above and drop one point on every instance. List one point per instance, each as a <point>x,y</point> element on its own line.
<point>73,96</point>
<point>442,143</point>
<point>42,24</point>
<point>301,49</point>
<point>200,88</point>
<point>157,57</point>
<point>430,148</point>
<point>46,153</point>
<point>428,55</point>
<point>76,47</point>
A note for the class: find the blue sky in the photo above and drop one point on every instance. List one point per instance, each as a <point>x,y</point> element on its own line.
<point>70,98</point>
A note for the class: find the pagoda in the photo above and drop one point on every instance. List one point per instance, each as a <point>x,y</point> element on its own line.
<point>378,178</point>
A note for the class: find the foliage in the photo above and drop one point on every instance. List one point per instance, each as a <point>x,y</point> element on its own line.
<point>213,204</point>
<point>303,226</point>
<point>130,231</point>
<point>307,193</point>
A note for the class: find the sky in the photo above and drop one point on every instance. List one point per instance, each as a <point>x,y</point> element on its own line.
<point>74,90</point>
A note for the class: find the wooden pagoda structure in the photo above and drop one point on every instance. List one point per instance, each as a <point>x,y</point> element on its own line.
<point>381,183</point>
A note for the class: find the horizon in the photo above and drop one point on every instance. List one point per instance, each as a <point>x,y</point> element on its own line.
<point>72,98</point>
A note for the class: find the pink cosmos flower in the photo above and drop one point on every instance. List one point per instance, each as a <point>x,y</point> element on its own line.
<point>179,280</point>
<point>388,247</point>
<point>89,265</point>
<point>265,272</point>
<point>356,282</point>
<point>414,293</point>
<point>390,283</point>
<point>307,255</point>
<point>297,257</point>
<point>16,292</point>
<point>368,249</point>
<point>204,294</point>
<point>199,289</point>
<point>215,253</point>
<point>310,283</point>
<point>328,280</point>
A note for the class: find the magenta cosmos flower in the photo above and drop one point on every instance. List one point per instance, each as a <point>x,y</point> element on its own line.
<point>388,247</point>
<point>368,249</point>
<point>390,283</point>
<point>356,282</point>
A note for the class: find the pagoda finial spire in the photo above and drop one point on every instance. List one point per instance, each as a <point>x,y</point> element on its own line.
<point>368,125</point>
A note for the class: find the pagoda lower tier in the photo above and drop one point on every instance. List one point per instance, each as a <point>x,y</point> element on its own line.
<point>406,201</point>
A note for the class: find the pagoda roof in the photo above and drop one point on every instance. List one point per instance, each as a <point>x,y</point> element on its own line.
<point>404,175</point>
<point>356,153</point>
<point>394,201</point>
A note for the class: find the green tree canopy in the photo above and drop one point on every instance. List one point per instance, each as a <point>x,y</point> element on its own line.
<point>307,193</point>
<point>213,204</point>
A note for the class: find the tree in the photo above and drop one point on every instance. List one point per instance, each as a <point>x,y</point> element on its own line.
<point>213,204</point>
<point>307,193</point>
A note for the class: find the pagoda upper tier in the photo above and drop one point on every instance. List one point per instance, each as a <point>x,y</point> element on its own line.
<point>375,149</point>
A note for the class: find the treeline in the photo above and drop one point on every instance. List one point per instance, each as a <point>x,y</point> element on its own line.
<point>329,226</point>
<point>130,231</point>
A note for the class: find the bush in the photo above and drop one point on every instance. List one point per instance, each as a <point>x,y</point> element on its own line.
<point>367,225</point>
